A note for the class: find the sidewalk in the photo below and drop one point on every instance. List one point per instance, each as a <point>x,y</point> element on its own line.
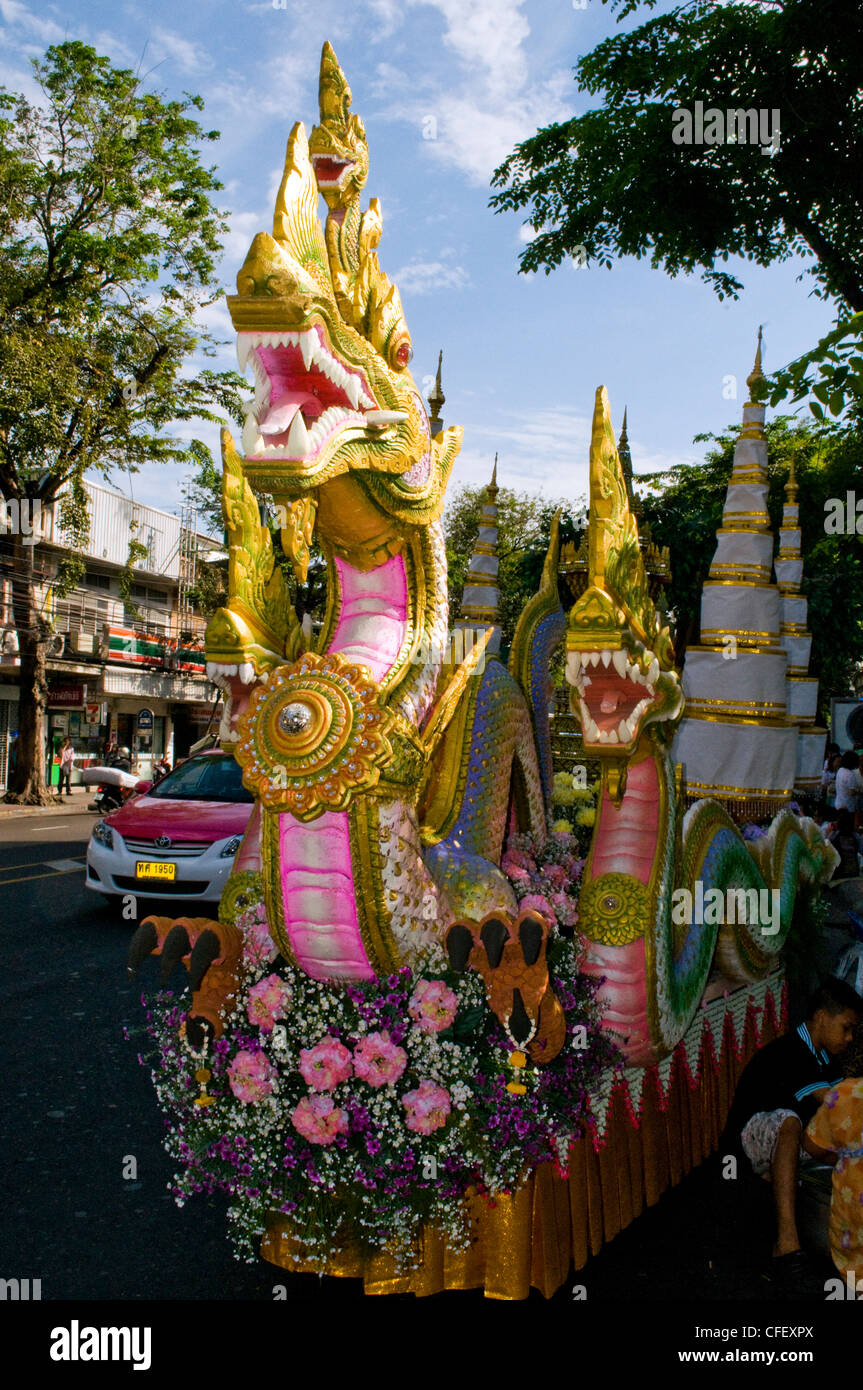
<point>76,807</point>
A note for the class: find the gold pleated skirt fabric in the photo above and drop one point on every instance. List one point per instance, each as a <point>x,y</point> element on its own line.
<point>533,1238</point>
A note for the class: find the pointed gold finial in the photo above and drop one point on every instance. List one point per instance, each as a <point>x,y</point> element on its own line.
<point>791,485</point>
<point>755,378</point>
<point>436,398</point>
<point>493,489</point>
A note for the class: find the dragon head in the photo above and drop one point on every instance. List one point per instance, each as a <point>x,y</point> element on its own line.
<point>337,422</point>
<point>620,661</point>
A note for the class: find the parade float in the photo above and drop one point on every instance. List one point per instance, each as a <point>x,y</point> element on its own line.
<point>451,1029</point>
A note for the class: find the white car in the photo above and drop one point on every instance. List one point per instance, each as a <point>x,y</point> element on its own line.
<point>176,839</point>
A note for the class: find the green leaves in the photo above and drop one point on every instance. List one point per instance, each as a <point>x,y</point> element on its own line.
<point>688,207</point>
<point>832,372</point>
<point>109,241</point>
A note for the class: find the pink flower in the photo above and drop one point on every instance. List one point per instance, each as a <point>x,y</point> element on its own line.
<point>251,1077</point>
<point>318,1119</point>
<point>326,1064</point>
<point>432,1006</point>
<point>258,946</point>
<point>516,858</point>
<point>269,1000</point>
<point>427,1107</point>
<point>556,875</point>
<point>514,871</point>
<point>378,1061</point>
<point>539,904</point>
<point>565,910</point>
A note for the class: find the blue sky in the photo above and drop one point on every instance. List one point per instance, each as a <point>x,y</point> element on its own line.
<point>522,355</point>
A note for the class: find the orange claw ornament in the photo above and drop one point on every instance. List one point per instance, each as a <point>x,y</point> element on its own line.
<point>211,952</point>
<point>511,957</point>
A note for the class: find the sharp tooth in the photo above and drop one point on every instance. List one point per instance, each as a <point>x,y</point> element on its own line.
<point>592,731</point>
<point>308,343</point>
<point>632,724</point>
<point>619,659</point>
<point>247,673</point>
<point>586,681</point>
<point>634,674</point>
<point>573,667</point>
<point>244,347</point>
<point>612,737</point>
<point>352,391</point>
<point>379,419</point>
<point>623,731</point>
<point>251,436</point>
<point>653,672</point>
<point>298,439</point>
<point>606,657</point>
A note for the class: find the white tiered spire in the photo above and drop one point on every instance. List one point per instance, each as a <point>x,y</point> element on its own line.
<point>802,689</point>
<point>735,741</point>
<point>481,598</point>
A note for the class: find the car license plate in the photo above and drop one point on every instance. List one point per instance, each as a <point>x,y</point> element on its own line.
<point>148,869</point>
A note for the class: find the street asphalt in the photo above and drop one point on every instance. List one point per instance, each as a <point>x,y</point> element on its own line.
<point>77,1104</point>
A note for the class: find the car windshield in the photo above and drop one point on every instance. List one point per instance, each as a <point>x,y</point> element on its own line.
<point>204,779</point>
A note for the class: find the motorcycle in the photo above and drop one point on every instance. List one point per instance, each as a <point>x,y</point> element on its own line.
<point>115,785</point>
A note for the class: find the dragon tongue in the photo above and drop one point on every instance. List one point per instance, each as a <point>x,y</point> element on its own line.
<point>280,416</point>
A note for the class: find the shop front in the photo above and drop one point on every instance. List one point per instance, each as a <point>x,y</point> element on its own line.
<point>153,713</point>
<point>72,713</point>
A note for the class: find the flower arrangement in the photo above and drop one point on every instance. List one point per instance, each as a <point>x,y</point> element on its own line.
<point>357,1113</point>
<point>546,877</point>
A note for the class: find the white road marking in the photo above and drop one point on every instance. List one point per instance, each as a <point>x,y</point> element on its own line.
<point>64,865</point>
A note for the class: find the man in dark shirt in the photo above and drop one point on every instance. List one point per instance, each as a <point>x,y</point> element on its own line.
<point>779,1092</point>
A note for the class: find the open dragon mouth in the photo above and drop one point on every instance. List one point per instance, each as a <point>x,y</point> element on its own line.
<point>303,395</point>
<point>330,170</point>
<point>614,694</point>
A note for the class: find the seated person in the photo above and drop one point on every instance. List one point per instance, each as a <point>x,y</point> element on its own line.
<point>847,844</point>
<point>776,1096</point>
<point>835,1135</point>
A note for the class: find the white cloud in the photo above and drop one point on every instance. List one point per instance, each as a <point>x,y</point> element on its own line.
<point>426,277</point>
<point>190,57</point>
<point>493,101</point>
<point>18,14</point>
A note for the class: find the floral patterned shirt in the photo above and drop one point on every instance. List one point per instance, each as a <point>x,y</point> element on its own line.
<point>838,1126</point>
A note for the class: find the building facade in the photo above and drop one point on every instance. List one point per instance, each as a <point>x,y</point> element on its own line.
<point>129,672</point>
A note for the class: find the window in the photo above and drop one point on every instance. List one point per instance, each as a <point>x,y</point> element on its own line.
<point>208,778</point>
<point>97,581</point>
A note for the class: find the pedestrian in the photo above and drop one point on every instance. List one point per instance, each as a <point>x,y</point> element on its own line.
<point>67,759</point>
<point>162,768</point>
<point>849,783</point>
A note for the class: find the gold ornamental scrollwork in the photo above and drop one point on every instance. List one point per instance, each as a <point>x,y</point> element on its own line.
<point>613,909</point>
<point>314,733</point>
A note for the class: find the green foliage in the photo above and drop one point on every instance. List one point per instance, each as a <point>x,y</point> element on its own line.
<point>686,510</point>
<point>75,525</point>
<point>524,529</point>
<point>611,182</point>
<point>108,249</point>
<point>209,589</point>
<point>832,372</point>
<point>126,578</point>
